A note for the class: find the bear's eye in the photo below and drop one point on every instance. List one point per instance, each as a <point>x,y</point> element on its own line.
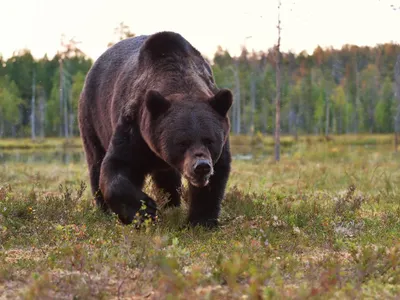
<point>184,144</point>
<point>207,142</point>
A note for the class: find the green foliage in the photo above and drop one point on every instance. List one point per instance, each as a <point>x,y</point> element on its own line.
<point>343,86</point>
<point>385,108</point>
<point>53,115</point>
<point>16,80</point>
<point>77,86</point>
<point>10,102</point>
<point>323,223</point>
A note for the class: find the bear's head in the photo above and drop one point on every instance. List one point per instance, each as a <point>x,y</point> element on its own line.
<point>188,134</point>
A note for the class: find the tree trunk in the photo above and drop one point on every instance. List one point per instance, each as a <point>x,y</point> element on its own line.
<point>245,125</point>
<point>397,118</point>
<point>292,121</point>
<point>253,103</point>
<point>33,108</point>
<point>278,91</point>
<point>237,102</point>
<point>71,113</point>
<point>347,115</point>
<point>265,115</point>
<point>42,114</point>
<point>66,118</point>
<point>2,125</point>
<point>232,115</point>
<point>357,106</point>
<point>334,125</point>
<point>61,96</point>
<point>71,124</point>
<point>234,106</point>
<point>397,123</point>
<point>371,119</point>
<point>326,114</point>
<point>296,126</point>
<point>13,131</point>
<point>299,115</point>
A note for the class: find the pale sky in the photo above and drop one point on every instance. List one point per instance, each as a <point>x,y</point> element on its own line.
<point>38,24</point>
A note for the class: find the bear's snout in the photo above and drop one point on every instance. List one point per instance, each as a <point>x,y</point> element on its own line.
<point>199,172</point>
<point>202,167</point>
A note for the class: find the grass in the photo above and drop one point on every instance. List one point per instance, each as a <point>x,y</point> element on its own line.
<point>42,144</point>
<point>324,223</point>
<point>236,140</point>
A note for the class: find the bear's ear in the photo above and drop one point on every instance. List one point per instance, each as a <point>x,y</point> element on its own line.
<point>156,103</point>
<point>222,101</point>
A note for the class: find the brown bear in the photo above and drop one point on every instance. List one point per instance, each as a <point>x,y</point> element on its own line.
<point>150,106</point>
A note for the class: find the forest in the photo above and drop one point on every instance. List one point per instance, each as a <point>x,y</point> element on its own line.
<point>330,91</point>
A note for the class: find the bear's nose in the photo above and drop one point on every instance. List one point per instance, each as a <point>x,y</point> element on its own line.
<point>202,167</point>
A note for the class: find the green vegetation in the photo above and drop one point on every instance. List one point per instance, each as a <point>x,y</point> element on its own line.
<point>236,140</point>
<point>40,144</point>
<point>323,223</point>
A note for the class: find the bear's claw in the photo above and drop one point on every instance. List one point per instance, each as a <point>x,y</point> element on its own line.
<point>147,210</point>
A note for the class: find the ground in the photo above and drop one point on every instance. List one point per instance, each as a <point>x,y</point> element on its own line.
<point>321,223</point>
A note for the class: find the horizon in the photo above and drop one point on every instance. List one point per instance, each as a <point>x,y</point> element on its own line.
<point>261,51</point>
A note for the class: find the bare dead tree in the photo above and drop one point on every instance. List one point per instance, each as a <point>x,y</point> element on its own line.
<point>66,134</point>
<point>61,94</point>
<point>337,74</point>
<point>327,107</point>
<point>42,112</point>
<point>238,102</point>
<point>278,88</point>
<point>357,104</point>
<point>2,126</point>
<point>122,31</point>
<point>253,101</point>
<point>236,112</point>
<point>397,117</point>
<point>71,115</point>
<point>265,114</point>
<point>33,107</point>
<point>69,50</point>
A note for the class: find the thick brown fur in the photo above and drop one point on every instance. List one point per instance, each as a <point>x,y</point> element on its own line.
<point>150,106</point>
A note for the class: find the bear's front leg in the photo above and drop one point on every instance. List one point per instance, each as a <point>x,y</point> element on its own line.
<point>205,202</point>
<point>122,175</point>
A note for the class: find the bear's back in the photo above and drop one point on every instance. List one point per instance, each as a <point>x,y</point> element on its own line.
<point>122,69</point>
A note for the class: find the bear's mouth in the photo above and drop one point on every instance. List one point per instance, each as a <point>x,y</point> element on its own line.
<point>199,181</point>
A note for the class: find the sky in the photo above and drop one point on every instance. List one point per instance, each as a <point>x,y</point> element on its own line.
<point>38,24</point>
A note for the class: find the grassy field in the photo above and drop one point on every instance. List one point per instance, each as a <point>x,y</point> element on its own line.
<point>322,223</point>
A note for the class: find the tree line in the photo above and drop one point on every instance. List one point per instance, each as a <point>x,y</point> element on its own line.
<point>331,91</point>
<point>39,97</point>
